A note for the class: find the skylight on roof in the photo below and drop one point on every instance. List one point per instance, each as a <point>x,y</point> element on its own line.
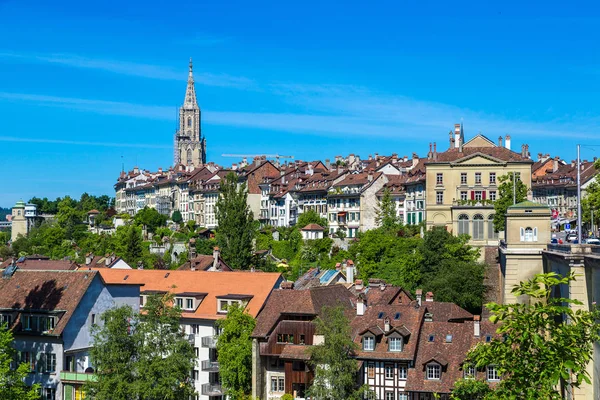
<point>448,338</point>
<point>380,316</point>
<point>431,338</point>
<point>397,316</point>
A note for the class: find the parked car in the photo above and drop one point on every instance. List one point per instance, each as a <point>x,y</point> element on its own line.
<point>593,241</point>
<point>554,241</point>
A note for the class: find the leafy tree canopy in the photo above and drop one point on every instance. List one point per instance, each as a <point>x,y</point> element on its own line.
<point>234,350</point>
<point>547,342</point>
<point>236,223</point>
<point>12,381</point>
<point>151,218</point>
<point>311,217</point>
<point>176,217</point>
<point>505,197</point>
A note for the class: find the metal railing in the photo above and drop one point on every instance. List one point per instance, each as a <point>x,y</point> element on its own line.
<point>211,389</point>
<point>210,366</point>
<point>209,341</point>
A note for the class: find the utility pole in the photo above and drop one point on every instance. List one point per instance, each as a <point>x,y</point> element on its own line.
<point>514,188</point>
<point>578,194</point>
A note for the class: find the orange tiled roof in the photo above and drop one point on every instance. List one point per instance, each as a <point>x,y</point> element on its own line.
<point>215,284</point>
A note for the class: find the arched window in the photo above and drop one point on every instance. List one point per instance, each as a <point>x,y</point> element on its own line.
<point>478,227</point>
<point>528,234</point>
<point>463,224</point>
<point>189,122</point>
<point>492,233</point>
<point>189,156</point>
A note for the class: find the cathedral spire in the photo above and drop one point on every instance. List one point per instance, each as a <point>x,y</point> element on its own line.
<point>190,92</point>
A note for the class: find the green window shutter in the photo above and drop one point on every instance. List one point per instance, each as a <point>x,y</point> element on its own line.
<point>68,392</point>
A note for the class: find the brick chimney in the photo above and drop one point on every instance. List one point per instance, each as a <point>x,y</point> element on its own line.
<point>88,258</point>
<point>358,284</point>
<point>287,285</point>
<point>476,325</point>
<point>435,151</point>
<point>386,325</point>
<point>370,176</point>
<point>429,296</point>
<point>451,139</point>
<point>349,271</point>
<point>457,136</point>
<point>419,295</point>
<point>327,163</point>
<point>499,141</point>
<point>507,142</point>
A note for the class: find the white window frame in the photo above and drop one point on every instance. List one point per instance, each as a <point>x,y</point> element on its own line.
<point>469,371</point>
<point>369,343</point>
<point>491,373</point>
<point>389,371</point>
<point>402,372</point>
<point>433,372</point>
<point>398,343</point>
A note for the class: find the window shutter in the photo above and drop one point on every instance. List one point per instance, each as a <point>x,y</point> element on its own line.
<point>483,195</point>
<point>472,195</point>
<point>535,234</point>
<point>522,234</point>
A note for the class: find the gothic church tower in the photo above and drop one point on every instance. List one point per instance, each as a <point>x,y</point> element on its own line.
<point>190,146</point>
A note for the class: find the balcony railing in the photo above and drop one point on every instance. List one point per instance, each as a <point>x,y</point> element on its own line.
<point>209,341</point>
<point>76,376</point>
<point>191,338</point>
<point>210,366</point>
<point>212,389</point>
<point>473,203</point>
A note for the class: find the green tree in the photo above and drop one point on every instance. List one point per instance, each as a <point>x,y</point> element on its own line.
<point>151,218</point>
<point>115,351</point>
<point>505,197</point>
<point>166,358</point>
<point>470,389</point>
<point>546,344</point>
<point>129,244</point>
<point>142,356</point>
<point>234,350</point>
<point>333,362</point>
<point>591,201</point>
<point>311,217</point>
<point>176,217</point>
<point>12,381</point>
<point>236,223</point>
<point>386,211</point>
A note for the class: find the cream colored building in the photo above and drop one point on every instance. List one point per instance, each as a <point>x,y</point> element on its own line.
<point>462,184</point>
<point>19,222</point>
<point>527,236</point>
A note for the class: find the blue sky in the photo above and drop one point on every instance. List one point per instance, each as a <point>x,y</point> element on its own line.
<point>87,86</point>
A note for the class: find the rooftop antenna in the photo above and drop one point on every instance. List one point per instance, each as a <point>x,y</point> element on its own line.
<point>122,164</point>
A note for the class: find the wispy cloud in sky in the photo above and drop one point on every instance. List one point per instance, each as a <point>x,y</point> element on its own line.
<point>14,139</point>
<point>337,112</point>
<point>142,70</point>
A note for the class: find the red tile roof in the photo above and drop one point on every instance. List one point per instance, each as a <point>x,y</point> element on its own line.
<point>500,153</point>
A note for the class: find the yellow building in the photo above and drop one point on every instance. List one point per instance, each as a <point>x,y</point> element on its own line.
<point>19,222</point>
<point>462,183</point>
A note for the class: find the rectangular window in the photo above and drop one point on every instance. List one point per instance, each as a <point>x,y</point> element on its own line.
<point>274,384</point>
<point>50,366</point>
<point>6,319</point>
<point>439,197</point>
<point>492,178</point>
<point>389,395</point>
<point>371,370</point>
<point>492,195</point>
<point>477,178</point>
<point>402,396</point>
<point>463,195</point>
<point>402,372</point>
<point>492,373</point>
<point>395,344</point>
<point>389,371</point>
<point>281,387</point>
<point>439,179</point>
<point>49,394</point>
<point>434,371</point>
<point>478,195</point>
<point>196,352</point>
<point>179,302</point>
<point>368,343</point>
<point>469,371</point>
<point>463,178</point>
<point>190,304</point>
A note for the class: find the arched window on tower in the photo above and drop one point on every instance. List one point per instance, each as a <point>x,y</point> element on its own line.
<point>189,156</point>
<point>189,122</point>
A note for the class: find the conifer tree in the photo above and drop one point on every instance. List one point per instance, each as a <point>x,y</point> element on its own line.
<point>236,223</point>
<point>386,211</point>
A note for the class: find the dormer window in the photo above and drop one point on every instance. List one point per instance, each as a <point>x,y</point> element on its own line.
<point>434,371</point>
<point>189,304</point>
<point>6,319</point>
<point>469,371</point>
<point>179,302</point>
<point>395,344</point>
<point>369,343</point>
<point>223,302</point>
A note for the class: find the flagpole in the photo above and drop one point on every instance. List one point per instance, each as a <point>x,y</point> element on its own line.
<point>578,195</point>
